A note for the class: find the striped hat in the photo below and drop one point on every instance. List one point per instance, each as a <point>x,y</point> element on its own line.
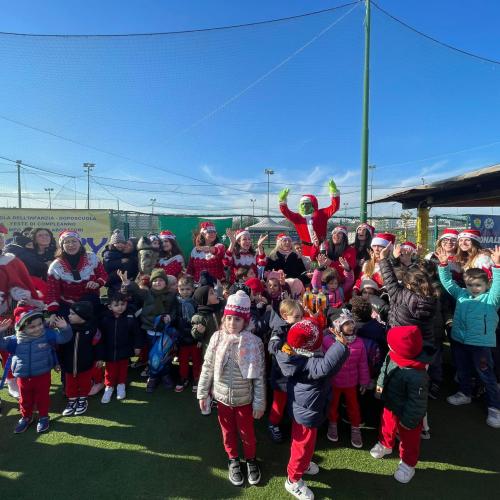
<point>68,233</point>
<point>340,229</point>
<point>238,304</point>
<point>282,236</point>
<point>166,235</point>
<point>207,227</point>
<point>366,226</point>
<point>408,245</point>
<point>471,234</point>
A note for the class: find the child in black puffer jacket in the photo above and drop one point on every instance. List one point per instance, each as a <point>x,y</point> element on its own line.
<point>115,259</point>
<point>122,338</point>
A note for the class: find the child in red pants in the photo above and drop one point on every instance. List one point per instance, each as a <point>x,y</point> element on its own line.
<point>234,368</point>
<point>79,355</point>
<point>403,384</point>
<point>33,357</point>
<point>354,372</point>
<point>121,339</point>
<point>189,347</point>
<point>309,371</point>
<point>291,312</point>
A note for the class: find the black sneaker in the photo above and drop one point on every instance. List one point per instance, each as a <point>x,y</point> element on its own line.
<point>151,384</point>
<point>253,471</point>
<point>275,433</point>
<point>70,407</point>
<point>434,391</point>
<point>81,406</point>
<point>235,474</point>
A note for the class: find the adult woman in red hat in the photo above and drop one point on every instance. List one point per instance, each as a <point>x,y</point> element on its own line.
<point>283,257</point>
<point>171,259</point>
<point>470,254</point>
<point>207,253</point>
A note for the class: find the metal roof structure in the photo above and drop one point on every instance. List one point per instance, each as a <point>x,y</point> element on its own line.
<point>478,188</point>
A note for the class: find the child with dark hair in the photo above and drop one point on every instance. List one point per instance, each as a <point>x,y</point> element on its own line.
<point>33,357</point>
<point>171,259</point>
<point>121,339</point>
<point>473,332</point>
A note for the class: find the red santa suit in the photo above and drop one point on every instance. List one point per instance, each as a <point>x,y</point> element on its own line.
<point>307,225</point>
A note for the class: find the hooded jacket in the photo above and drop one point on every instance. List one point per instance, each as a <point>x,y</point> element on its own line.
<point>279,330</point>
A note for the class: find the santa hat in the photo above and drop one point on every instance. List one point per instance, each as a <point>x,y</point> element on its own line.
<point>345,317</point>
<point>23,313</point>
<point>383,239</point>
<point>255,285</point>
<point>305,336</point>
<point>368,283</point>
<point>117,237</point>
<point>311,199</point>
<point>282,236</point>
<point>167,235</point>
<point>68,233</point>
<point>340,229</point>
<point>366,226</point>
<point>406,341</point>
<point>471,234</point>
<point>238,304</point>
<point>408,245</point>
<point>207,227</point>
<point>3,229</point>
<point>242,232</point>
<point>449,233</point>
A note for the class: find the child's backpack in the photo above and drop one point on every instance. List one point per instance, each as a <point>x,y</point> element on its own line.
<point>161,351</point>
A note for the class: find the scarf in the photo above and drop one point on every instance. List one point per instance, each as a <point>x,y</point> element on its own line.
<point>406,363</point>
<point>73,261</point>
<point>249,355</point>
<point>187,307</point>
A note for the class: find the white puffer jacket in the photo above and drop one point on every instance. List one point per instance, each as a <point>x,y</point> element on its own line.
<point>230,388</point>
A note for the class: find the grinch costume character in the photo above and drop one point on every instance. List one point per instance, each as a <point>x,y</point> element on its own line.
<point>311,221</point>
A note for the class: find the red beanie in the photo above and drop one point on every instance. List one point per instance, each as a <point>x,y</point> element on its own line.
<point>305,335</point>
<point>23,313</point>
<point>406,341</point>
<point>255,285</point>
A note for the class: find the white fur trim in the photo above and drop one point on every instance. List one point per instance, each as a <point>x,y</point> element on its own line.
<point>58,271</point>
<point>6,258</point>
<point>470,236</point>
<point>18,293</point>
<point>195,254</point>
<point>242,233</point>
<point>176,258</point>
<point>379,242</point>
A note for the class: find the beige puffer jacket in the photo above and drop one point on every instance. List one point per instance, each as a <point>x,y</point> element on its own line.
<point>231,388</point>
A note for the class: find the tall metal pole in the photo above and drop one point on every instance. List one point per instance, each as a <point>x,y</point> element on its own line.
<point>372,169</point>
<point>253,200</point>
<point>88,167</point>
<point>19,203</point>
<point>269,172</point>
<point>49,190</point>
<point>365,127</point>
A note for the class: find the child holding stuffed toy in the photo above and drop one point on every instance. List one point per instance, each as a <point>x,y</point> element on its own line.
<point>234,370</point>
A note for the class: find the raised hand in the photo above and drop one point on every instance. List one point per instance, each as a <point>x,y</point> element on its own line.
<point>123,275</point>
<point>5,324</point>
<point>60,322</point>
<point>344,264</point>
<point>441,255</point>
<point>332,187</point>
<point>231,234</point>
<point>283,195</point>
<point>263,237</point>
<point>385,252</point>
<point>396,252</point>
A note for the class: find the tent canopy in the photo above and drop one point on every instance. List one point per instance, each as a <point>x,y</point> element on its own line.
<point>478,188</point>
<point>268,224</point>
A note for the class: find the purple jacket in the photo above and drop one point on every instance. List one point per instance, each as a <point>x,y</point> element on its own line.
<point>355,370</point>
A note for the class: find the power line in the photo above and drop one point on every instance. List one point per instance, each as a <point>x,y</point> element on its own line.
<point>184,32</point>
<point>435,40</point>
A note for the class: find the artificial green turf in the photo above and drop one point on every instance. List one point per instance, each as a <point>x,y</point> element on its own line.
<point>159,446</point>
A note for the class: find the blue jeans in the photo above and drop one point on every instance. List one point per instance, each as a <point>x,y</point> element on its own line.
<point>475,360</point>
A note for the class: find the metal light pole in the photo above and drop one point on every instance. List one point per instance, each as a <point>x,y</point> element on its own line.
<point>88,167</point>
<point>19,204</point>
<point>372,169</point>
<point>49,190</point>
<point>252,201</point>
<point>346,204</point>
<point>269,172</point>
<point>153,201</point>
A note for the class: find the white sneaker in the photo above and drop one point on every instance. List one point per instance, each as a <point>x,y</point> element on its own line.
<point>312,470</point>
<point>493,419</point>
<point>12,387</point>
<point>120,391</point>
<point>106,397</point>
<point>299,489</point>
<point>404,473</point>
<point>96,388</point>
<point>458,399</point>
<point>380,451</point>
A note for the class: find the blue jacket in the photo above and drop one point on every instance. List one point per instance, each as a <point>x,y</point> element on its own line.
<point>309,386</point>
<point>279,331</point>
<point>30,359</point>
<point>476,318</point>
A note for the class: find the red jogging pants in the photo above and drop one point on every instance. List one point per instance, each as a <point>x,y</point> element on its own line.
<point>116,372</point>
<point>351,401</point>
<point>233,421</point>
<point>34,391</point>
<point>409,439</point>
<point>78,386</point>
<point>302,450</point>
<point>278,407</point>
<point>192,352</point>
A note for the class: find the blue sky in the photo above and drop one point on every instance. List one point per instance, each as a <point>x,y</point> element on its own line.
<point>185,115</point>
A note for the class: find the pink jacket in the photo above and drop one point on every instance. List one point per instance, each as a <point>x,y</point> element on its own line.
<point>355,370</point>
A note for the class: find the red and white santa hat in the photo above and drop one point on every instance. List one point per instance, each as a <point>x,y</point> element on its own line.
<point>340,229</point>
<point>166,235</point>
<point>3,229</point>
<point>305,336</point>
<point>207,227</point>
<point>282,236</point>
<point>23,313</point>
<point>471,234</point>
<point>366,226</point>
<point>307,197</point>
<point>409,246</point>
<point>242,232</point>
<point>383,239</point>
<point>68,233</point>
<point>238,304</point>
<point>449,233</point>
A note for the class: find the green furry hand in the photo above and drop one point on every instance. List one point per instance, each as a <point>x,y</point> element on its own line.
<point>332,187</point>
<point>283,195</point>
